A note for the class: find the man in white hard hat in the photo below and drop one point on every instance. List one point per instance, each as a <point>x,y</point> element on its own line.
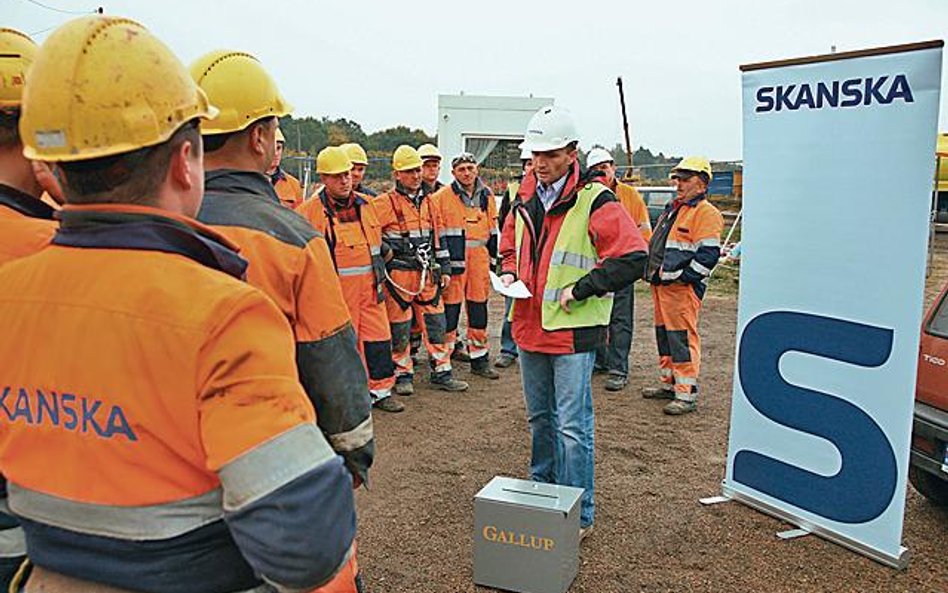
<point>683,250</point>
<point>508,348</point>
<point>572,244</point>
<point>613,357</point>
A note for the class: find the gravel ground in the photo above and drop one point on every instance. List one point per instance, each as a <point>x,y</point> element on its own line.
<point>651,533</point>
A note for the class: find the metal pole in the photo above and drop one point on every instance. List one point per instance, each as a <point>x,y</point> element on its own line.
<point>625,126</point>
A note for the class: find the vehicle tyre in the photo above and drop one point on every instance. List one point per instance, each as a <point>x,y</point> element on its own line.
<point>931,487</point>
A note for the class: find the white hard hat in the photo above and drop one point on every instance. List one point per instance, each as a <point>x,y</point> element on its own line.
<point>597,156</point>
<point>549,129</point>
<point>525,155</point>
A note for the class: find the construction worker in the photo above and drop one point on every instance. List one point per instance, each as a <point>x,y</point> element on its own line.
<point>508,348</point>
<point>613,357</point>
<point>287,187</point>
<point>289,260</point>
<point>430,170</point>
<point>572,244</point>
<point>417,273</point>
<point>469,214</point>
<point>139,450</point>
<point>352,230</point>
<point>360,163</point>
<point>26,222</point>
<point>430,167</point>
<point>684,248</point>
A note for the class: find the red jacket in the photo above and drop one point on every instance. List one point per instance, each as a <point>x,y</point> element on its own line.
<point>622,256</point>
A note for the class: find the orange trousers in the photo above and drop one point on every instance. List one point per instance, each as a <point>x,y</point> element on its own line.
<point>429,309</point>
<point>676,333</point>
<point>347,580</point>
<point>472,288</point>
<point>370,321</point>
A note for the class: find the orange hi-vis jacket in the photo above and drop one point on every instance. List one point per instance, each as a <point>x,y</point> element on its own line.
<point>686,244</point>
<point>287,188</point>
<point>470,225</point>
<point>354,235</point>
<point>139,450</point>
<point>290,263</point>
<point>632,201</point>
<point>412,230</point>
<point>26,224</point>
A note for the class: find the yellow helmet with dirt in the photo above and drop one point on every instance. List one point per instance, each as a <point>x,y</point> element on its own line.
<point>406,158</point>
<point>429,151</point>
<point>356,153</point>
<point>240,87</point>
<point>102,86</point>
<point>694,164</point>
<point>332,160</point>
<point>17,51</point>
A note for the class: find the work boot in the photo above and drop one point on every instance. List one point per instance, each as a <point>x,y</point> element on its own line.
<point>389,404</point>
<point>585,532</point>
<point>460,354</point>
<point>505,360</point>
<point>445,382</point>
<point>679,407</point>
<point>658,393</point>
<point>481,367</point>
<point>616,383</point>
<point>404,388</point>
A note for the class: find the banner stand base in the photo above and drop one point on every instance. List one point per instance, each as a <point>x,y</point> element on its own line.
<point>792,534</point>
<point>899,562</point>
<point>710,500</point>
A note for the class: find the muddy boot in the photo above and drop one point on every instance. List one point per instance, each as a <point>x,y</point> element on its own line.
<point>679,407</point>
<point>460,353</point>
<point>505,360</point>
<point>388,404</point>
<point>616,383</point>
<point>404,387</point>
<point>445,382</point>
<point>658,393</point>
<point>480,366</point>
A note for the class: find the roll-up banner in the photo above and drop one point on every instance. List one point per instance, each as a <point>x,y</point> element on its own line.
<point>838,169</point>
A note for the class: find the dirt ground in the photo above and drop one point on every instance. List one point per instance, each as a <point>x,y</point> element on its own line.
<point>651,533</point>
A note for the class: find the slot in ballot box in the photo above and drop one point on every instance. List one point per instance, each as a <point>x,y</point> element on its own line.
<point>526,536</point>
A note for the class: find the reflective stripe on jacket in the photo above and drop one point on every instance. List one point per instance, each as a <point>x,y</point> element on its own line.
<point>686,244</point>
<point>163,403</point>
<point>574,256</point>
<point>406,226</point>
<point>470,223</point>
<point>290,263</point>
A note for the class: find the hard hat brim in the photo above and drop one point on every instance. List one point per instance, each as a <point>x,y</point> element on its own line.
<point>535,146</point>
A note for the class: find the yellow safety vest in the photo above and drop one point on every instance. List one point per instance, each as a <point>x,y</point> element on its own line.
<point>574,256</point>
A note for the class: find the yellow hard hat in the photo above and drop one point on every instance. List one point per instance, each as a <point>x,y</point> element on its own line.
<point>356,153</point>
<point>694,164</point>
<point>280,137</point>
<point>332,160</point>
<point>17,52</point>
<point>236,82</point>
<point>429,151</point>
<point>101,86</point>
<point>405,158</point>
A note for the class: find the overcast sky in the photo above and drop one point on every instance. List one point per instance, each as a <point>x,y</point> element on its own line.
<point>383,63</point>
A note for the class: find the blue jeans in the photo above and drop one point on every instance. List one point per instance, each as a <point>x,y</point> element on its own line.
<point>558,393</point>
<point>507,344</point>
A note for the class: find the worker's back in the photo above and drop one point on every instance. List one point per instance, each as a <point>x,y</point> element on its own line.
<point>144,394</point>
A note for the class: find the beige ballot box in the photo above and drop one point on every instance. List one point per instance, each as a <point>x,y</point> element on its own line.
<point>526,536</point>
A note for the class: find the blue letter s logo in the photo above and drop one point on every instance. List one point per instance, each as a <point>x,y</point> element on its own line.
<point>865,484</point>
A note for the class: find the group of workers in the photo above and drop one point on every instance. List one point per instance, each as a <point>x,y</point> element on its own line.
<point>196,346</point>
